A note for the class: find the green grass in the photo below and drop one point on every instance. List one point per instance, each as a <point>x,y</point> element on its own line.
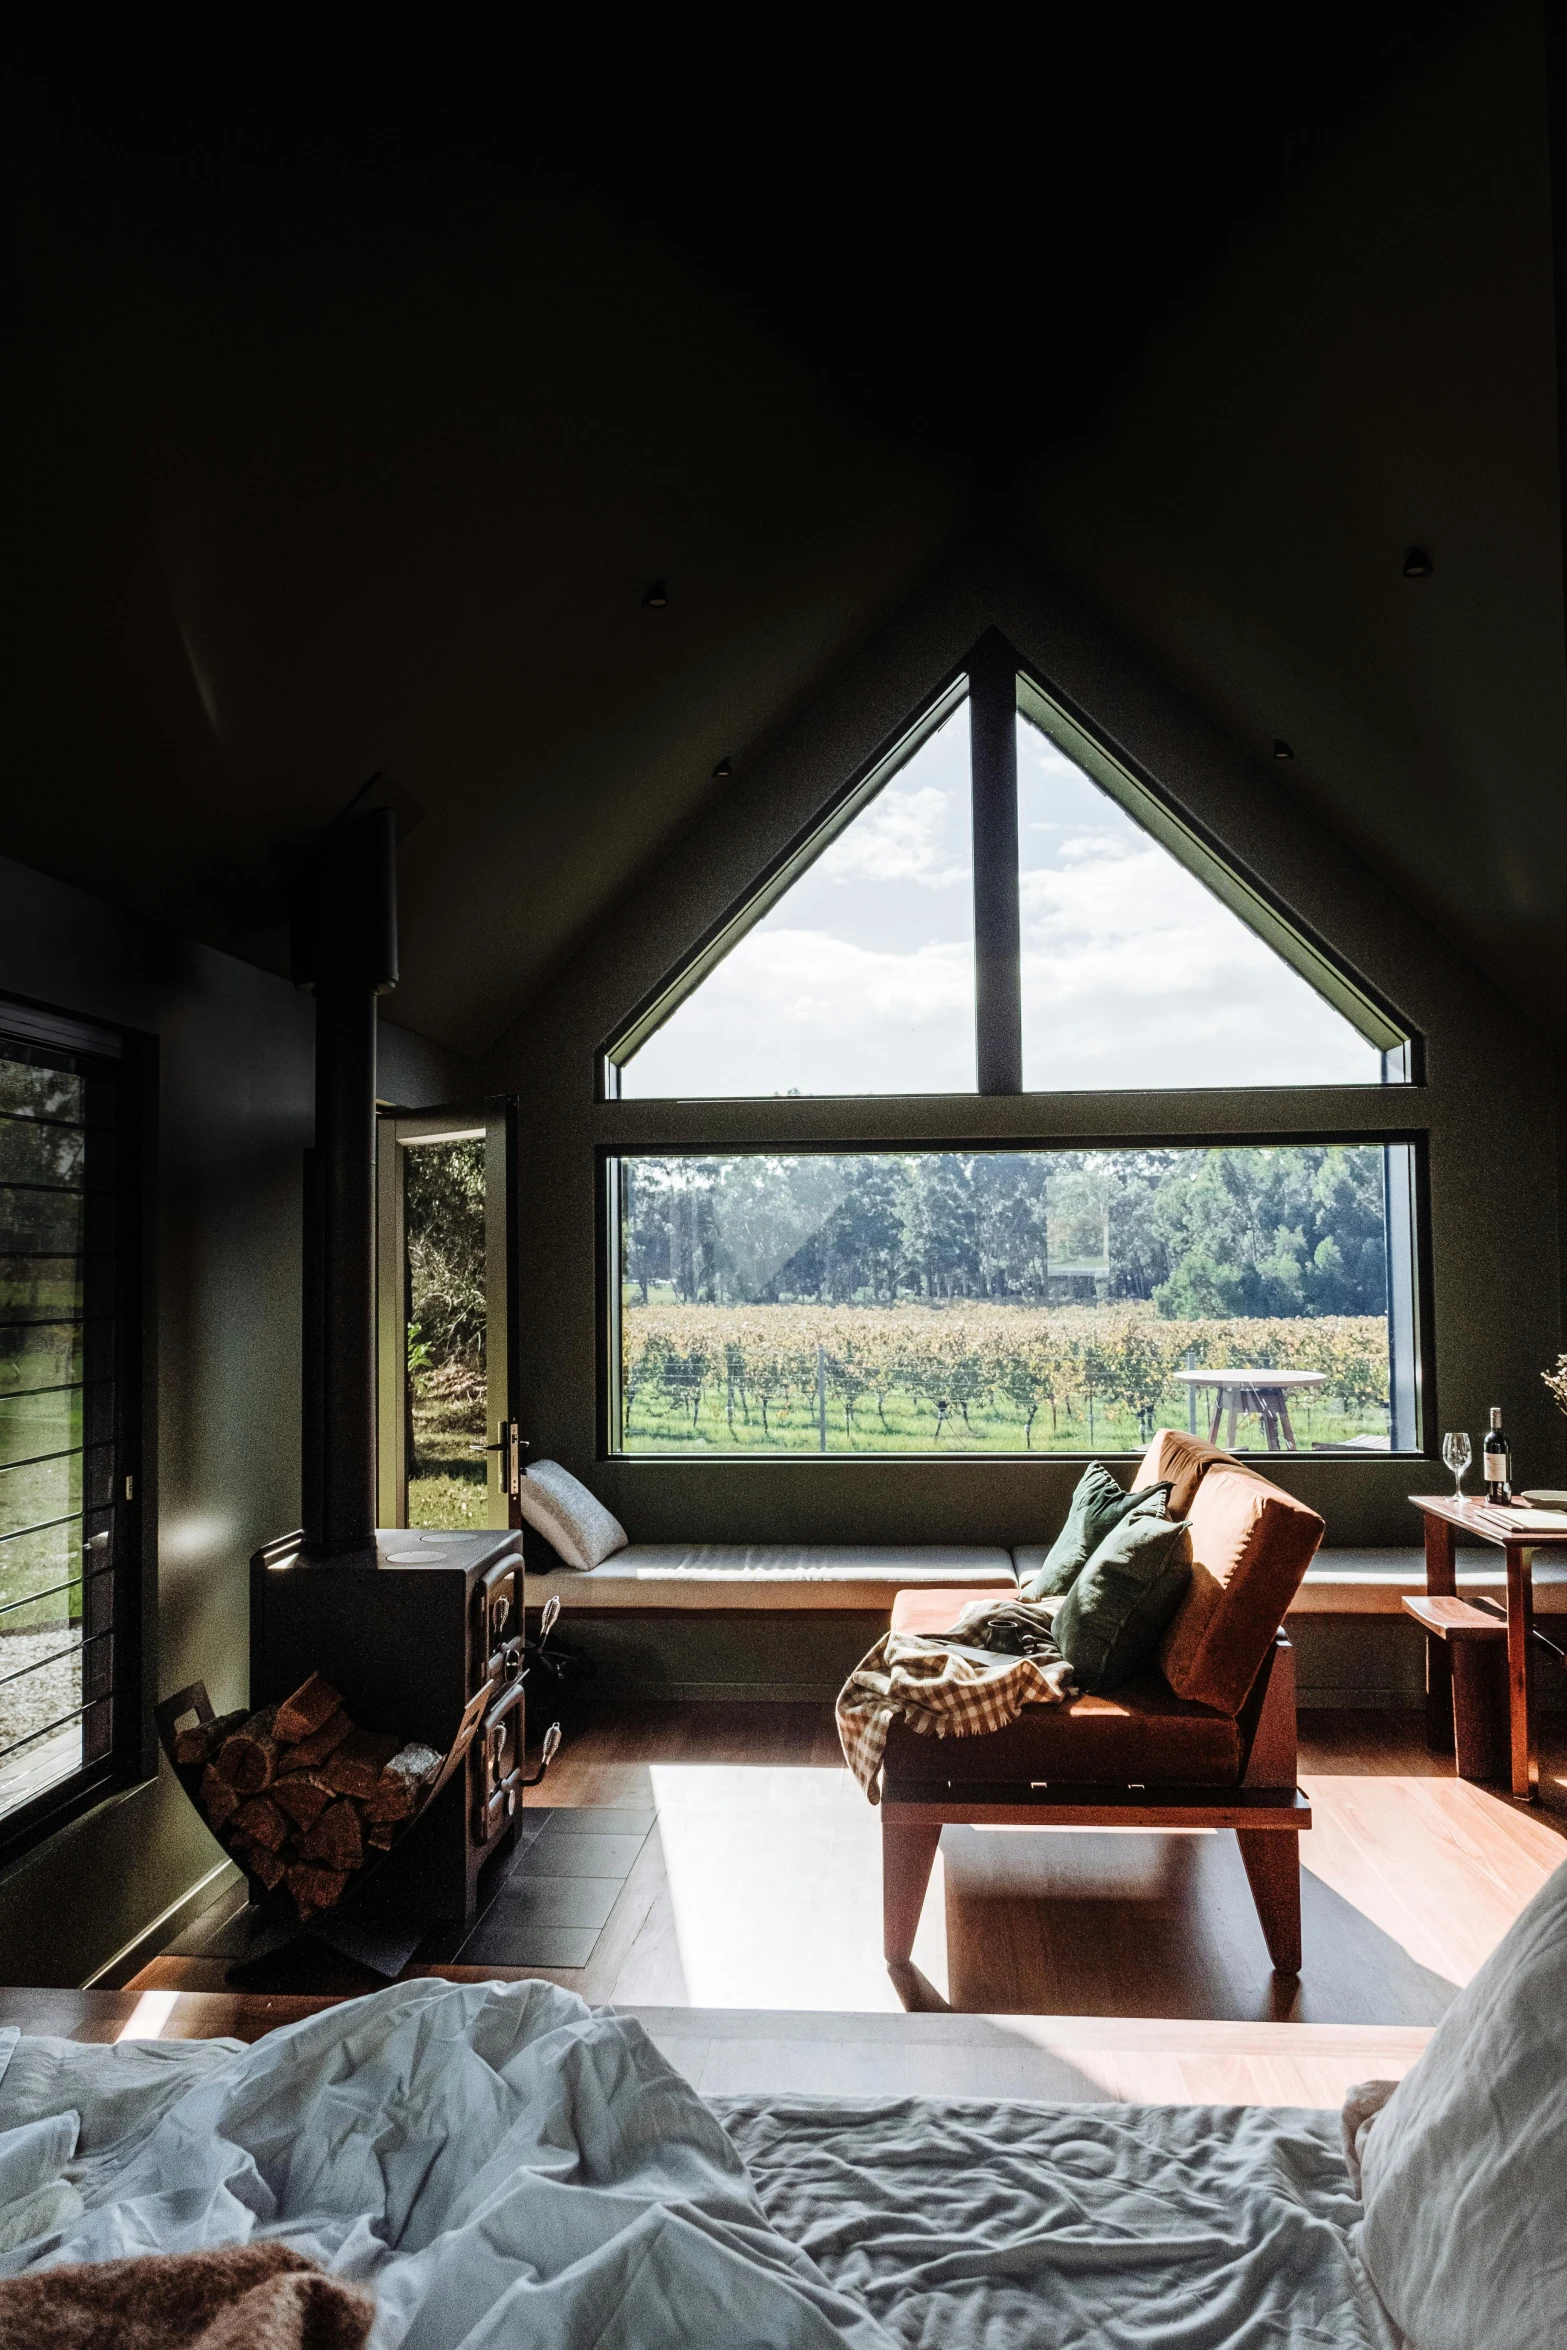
<point>912,1427</point>
<point>447,1501</point>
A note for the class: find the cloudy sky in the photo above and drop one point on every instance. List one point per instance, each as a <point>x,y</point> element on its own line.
<point>861,979</point>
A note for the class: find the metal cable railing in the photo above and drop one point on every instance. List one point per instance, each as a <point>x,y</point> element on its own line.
<point>50,1729</point>
<point>50,1591</point>
<point>73,1648</point>
<point>59,1240</point>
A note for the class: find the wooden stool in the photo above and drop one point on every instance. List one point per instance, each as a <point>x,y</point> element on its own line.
<point>1476,1643</point>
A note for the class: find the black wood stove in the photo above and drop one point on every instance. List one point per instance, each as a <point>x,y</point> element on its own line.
<point>410,1629</point>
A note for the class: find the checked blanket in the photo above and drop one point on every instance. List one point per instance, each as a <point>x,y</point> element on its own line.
<point>950,1684</point>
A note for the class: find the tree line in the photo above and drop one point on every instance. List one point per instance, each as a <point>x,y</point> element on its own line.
<point>1257,1231</point>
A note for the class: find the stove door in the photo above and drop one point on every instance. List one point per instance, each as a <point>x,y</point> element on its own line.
<point>448,1443</point>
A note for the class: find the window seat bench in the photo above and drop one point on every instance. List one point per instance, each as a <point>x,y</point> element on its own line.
<point>766,1576</point>
<point>1373,1582</point>
<point>859,1578</point>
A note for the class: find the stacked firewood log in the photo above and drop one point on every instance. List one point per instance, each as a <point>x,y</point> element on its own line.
<point>300,1796</point>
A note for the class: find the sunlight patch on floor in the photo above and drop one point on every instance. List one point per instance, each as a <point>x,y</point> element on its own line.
<point>774,1882</point>
<point>1439,1865</point>
<point>148,2017</point>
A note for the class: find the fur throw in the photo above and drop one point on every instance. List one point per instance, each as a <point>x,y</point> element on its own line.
<point>243,2297</point>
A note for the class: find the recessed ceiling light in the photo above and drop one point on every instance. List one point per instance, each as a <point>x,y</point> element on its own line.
<point>1281,749</point>
<point>722,772</point>
<point>1417,563</point>
<point>656,597</point>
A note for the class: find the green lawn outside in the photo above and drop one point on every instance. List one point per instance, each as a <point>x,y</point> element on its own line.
<point>447,1501</point>
<point>33,1423</point>
<point>911,1428</point>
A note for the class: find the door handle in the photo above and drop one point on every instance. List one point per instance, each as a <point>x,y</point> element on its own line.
<point>510,1443</point>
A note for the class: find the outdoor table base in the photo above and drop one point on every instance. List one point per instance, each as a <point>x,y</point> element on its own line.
<point>1253,1390</point>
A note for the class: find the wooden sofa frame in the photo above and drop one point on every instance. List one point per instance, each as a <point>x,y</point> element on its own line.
<point>1264,1807</point>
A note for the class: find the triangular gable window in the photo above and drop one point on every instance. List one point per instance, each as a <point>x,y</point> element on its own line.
<point>858,977</point>
<point>1001,877</point>
<point>1145,964</point>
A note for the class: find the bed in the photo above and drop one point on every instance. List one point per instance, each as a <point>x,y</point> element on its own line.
<point>502,2165</point>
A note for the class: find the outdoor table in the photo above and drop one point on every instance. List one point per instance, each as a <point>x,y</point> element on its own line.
<point>1263,1392</point>
<point>1508,1528</point>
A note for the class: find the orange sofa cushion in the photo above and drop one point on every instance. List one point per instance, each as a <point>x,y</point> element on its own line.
<point>1181,1460</point>
<point>1142,1732</point>
<point>938,1610</point>
<point>1251,1545</point>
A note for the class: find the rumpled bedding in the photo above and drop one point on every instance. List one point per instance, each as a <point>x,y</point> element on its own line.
<point>496,2162</point>
<point>501,2165</point>
<point>967,2226</point>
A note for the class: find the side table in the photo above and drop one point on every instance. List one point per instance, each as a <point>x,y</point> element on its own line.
<point>1445,1519</point>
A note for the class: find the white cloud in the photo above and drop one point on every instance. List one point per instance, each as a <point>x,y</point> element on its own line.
<point>806,975</point>
<point>801,1009</point>
<point>1134,974</point>
<point>861,979</point>
<point>904,835</point>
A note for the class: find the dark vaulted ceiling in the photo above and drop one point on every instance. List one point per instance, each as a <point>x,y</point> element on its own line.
<point>349,416</point>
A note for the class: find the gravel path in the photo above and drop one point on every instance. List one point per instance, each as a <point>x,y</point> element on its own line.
<point>39,1697</point>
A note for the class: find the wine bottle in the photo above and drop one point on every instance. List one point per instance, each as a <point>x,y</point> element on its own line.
<point>1497,1460</point>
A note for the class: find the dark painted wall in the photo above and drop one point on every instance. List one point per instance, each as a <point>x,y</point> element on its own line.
<point>1372,367</point>
<point>1486,1113</point>
<point>234,1113</point>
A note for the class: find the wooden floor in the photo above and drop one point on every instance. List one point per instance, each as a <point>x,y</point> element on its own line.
<point>739,2051</point>
<point>759,1888</point>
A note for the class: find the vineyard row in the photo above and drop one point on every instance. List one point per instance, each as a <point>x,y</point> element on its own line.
<point>952,1360</point>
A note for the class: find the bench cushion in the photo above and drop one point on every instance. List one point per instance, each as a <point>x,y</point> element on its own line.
<point>1142,1733</point>
<point>771,1575</point>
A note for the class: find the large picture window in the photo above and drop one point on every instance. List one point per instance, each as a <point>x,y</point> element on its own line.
<point>1016,1301</point>
<point>1002,903</point>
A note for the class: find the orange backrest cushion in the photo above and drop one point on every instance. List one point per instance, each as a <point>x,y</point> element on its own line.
<point>1251,1544</point>
<point>1184,1460</point>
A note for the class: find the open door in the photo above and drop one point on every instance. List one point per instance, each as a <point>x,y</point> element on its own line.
<point>448,1452</point>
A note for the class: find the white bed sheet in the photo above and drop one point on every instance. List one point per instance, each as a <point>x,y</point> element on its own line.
<point>504,2166</point>
<point>966,2226</point>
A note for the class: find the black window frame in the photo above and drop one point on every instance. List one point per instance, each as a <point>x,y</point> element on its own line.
<point>1408,1260</point>
<point>125,1062</point>
<point>999,687</point>
<point>1000,684</point>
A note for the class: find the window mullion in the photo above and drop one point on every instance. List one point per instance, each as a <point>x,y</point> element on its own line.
<point>998,1012</point>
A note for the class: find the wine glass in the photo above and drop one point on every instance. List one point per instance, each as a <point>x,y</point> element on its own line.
<point>1458,1452</point>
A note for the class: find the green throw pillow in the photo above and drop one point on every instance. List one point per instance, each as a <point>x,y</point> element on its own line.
<point>1098,1504</point>
<point>1114,1616</point>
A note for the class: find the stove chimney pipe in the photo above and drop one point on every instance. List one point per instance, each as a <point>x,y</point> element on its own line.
<point>345,948</point>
